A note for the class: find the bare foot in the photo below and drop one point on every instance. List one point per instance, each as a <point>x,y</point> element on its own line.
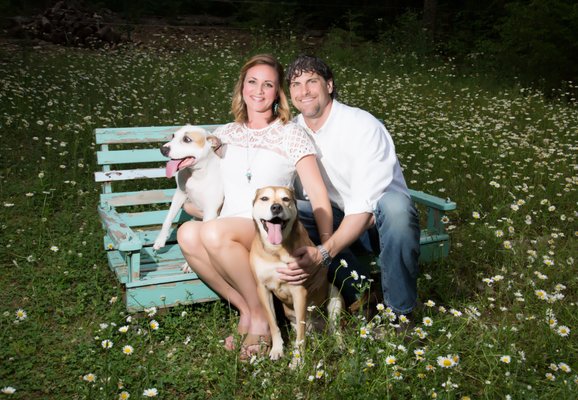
<point>242,330</point>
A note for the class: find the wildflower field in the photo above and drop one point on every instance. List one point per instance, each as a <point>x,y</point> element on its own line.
<point>499,317</point>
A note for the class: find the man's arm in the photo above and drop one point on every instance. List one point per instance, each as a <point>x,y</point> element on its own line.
<point>308,259</point>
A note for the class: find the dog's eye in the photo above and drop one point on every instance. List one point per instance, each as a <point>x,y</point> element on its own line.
<point>264,198</point>
<point>187,139</point>
<point>286,199</point>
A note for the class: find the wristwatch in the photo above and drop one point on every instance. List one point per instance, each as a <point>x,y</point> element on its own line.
<point>326,258</point>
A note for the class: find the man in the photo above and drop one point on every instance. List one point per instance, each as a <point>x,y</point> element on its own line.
<point>371,205</point>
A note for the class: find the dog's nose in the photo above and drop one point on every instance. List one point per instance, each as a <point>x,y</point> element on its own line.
<point>165,150</point>
<point>276,208</point>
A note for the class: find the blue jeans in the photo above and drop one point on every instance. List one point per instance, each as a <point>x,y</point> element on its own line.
<point>395,238</point>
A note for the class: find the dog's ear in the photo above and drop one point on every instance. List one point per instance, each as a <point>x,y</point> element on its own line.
<point>292,193</point>
<point>257,195</point>
<point>216,145</point>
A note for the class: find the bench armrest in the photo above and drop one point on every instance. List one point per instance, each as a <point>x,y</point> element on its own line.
<point>436,209</point>
<point>122,236</point>
<point>432,201</point>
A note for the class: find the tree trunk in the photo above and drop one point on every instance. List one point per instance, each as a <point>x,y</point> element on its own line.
<point>429,15</point>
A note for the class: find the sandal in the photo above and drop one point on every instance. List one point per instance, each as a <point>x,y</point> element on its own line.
<point>231,341</point>
<point>255,344</point>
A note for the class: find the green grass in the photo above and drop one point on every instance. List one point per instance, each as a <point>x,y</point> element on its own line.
<point>505,153</point>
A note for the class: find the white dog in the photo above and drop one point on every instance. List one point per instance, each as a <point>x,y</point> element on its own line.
<point>198,178</point>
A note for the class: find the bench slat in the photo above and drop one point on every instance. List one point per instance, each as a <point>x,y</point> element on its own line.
<point>129,174</point>
<point>130,156</point>
<point>122,199</point>
<point>150,218</point>
<point>147,134</point>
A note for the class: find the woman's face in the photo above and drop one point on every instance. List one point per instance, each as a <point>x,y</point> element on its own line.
<point>260,88</point>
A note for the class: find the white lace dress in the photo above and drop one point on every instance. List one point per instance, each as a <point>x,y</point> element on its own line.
<point>254,158</point>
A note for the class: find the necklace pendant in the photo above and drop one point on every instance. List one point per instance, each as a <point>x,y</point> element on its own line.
<point>248,175</point>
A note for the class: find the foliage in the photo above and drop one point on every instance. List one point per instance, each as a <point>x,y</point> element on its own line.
<point>534,41</point>
<point>498,318</point>
<point>538,41</point>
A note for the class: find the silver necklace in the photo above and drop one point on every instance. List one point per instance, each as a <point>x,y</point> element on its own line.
<point>248,173</point>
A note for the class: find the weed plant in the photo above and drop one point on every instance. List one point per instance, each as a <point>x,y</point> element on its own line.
<point>498,317</point>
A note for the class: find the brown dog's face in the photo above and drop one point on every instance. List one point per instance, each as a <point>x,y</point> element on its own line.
<point>274,212</point>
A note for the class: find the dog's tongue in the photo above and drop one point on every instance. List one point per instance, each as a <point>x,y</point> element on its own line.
<point>274,231</point>
<point>172,168</point>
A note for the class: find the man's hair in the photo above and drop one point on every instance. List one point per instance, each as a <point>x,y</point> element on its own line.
<point>307,63</point>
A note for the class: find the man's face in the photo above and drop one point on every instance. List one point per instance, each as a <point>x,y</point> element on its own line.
<point>310,94</point>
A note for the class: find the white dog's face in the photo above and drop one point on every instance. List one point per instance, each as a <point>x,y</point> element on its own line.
<point>188,145</point>
<point>274,211</point>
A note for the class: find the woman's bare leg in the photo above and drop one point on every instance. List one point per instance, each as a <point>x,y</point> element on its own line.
<point>227,242</point>
<point>198,259</point>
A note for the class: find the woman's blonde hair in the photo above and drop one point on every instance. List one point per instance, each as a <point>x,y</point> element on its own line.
<point>280,106</point>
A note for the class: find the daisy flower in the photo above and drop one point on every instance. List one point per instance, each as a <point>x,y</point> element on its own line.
<point>565,367</point>
<point>506,359</point>
<point>21,314</point>
<point>150,311</point>
<point>541,294</point>
<point>563,331</point>
<point>8,390</point>
<point>419,353</point>
<point>445,362</point>
<point>106,344</point>
<point>124,395</point>
<point>154,325</point>
<point>153,392</point>
<point>455,313</point>
<point>91,378</point>
<point>128,350</point>
<point>364,332</point>
<point>390,360</point>
<point>427,321</point>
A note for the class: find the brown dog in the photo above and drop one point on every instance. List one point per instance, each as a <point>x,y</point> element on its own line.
<point>279,234</point>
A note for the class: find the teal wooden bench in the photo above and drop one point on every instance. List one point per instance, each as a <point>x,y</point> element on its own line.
<point>135,199</point>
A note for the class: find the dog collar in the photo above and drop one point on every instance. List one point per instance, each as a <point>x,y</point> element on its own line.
<point>326,258</point>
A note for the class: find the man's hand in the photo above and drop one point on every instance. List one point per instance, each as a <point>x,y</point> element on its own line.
<point>307,262</point>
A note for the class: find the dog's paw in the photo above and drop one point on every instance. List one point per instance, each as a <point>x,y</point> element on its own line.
<point>159,244</point>
<point>186,268</point>
<point>276,353</point>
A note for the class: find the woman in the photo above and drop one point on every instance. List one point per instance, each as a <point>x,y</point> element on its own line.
<point>261,148</point>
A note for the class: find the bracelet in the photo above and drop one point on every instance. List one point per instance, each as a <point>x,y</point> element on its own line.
<point>326,258</point>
